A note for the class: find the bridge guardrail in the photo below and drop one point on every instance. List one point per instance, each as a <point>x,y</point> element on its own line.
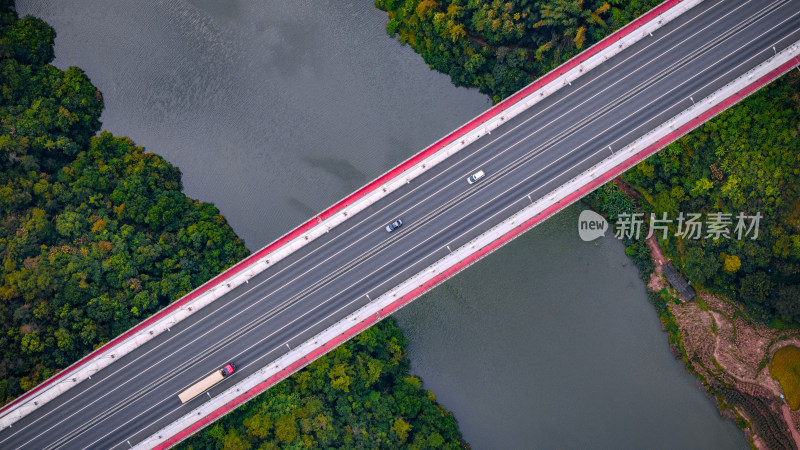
<point>489,241</point>
<point>340,212</point>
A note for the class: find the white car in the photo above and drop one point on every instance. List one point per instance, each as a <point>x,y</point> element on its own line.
<point>475,177</point>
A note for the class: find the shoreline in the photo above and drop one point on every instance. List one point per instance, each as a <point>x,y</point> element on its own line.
<point>732,368</point>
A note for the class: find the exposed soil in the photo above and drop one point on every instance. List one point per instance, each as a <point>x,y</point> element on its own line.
<point>632,193</point>
<point>730,353</point>
<point>656,282</point>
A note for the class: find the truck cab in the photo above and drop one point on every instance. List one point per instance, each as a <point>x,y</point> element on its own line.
<point>228,369</point>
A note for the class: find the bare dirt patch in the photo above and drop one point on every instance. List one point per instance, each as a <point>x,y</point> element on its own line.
<point>730,352</point>
<point>656,282</point>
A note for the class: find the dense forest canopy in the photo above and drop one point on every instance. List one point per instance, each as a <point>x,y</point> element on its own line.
<point>95,234</point>
<point>746,160</point>
<point>358,396</point>
<point>501,46</point>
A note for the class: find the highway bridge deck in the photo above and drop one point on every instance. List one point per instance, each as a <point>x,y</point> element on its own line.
<point>530,155</point>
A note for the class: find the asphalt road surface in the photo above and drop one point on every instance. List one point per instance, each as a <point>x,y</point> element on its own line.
<point>529,155</point>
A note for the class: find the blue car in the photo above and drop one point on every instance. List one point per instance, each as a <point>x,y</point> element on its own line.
<point>394,225</point>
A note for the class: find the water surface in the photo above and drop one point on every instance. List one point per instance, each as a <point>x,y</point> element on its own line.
<point>550,342</point>
<point>275,110</point>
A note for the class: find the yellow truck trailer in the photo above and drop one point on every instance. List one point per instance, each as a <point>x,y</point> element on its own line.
<point>206,383</point>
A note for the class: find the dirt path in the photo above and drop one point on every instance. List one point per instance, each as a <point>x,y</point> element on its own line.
<point>787,416</point>
<point>724,346</point>
<point>632,193</point>
<point>766,381</point>
<point>656,283</point>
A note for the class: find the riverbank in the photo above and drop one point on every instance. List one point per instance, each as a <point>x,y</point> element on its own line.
<point>729,353</point>
<point>263,92</point>
<point>744,160</point>
<point>98,234</point>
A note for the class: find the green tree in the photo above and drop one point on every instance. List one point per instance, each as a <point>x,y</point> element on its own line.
<point>756,287</point>
<point>401,429</point>
<point>307,410</point>
<point>28,40</point>
<point>731,263</point>
<point>95,234</point>
<point>258,425</point>
<point>699,265</point>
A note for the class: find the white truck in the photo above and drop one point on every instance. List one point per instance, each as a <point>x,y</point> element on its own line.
<point>206,383</point>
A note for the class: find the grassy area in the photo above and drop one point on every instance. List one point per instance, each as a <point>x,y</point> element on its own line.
<point>785,367</point>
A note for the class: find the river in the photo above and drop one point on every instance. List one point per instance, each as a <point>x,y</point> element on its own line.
<point>274,110</point>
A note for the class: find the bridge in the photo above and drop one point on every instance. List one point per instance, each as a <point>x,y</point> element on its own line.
<point>296,299</point>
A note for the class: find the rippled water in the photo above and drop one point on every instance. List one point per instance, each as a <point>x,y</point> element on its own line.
<point>550,343</point>
<point>274,110</point>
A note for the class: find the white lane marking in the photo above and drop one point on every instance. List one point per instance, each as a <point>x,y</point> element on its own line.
<point>449,169</point>
<point>754,56</point>
<point>708,67</point>
<point>476,226</point>
<point>552,180</point>
<point>605,130</point>
<point>476,152</point>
